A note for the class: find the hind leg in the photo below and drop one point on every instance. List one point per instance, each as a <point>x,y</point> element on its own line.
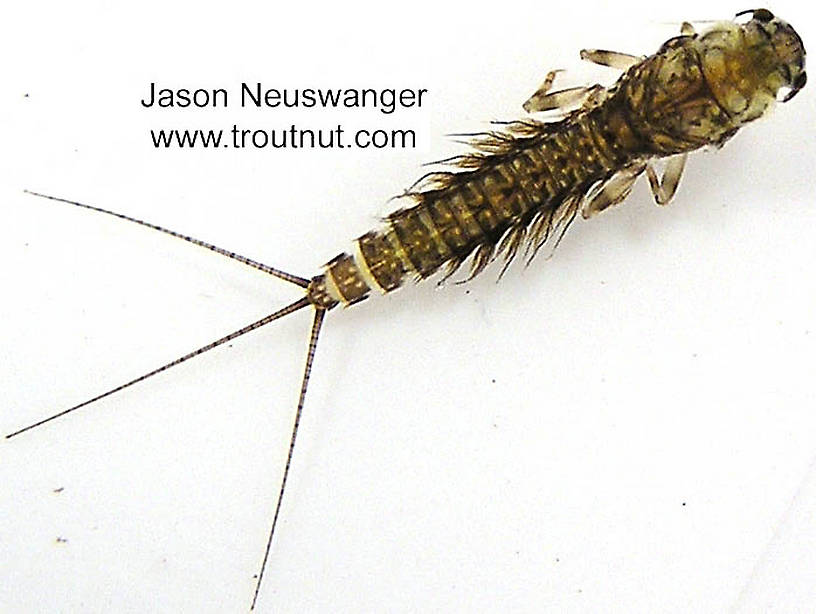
<point>612,192</point>
<point>562,99</point>
<point>544,100</point>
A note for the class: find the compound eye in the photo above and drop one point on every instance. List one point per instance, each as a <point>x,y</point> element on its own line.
<point>761,15</point>
<point>800,81</point>
<point>789,92</point>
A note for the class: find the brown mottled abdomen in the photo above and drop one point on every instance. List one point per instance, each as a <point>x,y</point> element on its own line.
<point>474,209</point>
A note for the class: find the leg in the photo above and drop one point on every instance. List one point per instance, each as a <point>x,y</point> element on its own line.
<point>613,192</point>
<point>613,59</point>
<point>546,85</point>
<point>595,96</point>
<point>533,103</point>
<point>541,101</point>
<point>663,189</point>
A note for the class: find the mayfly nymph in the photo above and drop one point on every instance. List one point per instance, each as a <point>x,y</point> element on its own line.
<point>525,183</point>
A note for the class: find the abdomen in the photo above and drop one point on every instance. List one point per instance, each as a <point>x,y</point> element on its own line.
<point>517,186</point>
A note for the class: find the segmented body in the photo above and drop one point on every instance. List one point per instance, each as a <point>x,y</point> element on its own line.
<point>520,184</point>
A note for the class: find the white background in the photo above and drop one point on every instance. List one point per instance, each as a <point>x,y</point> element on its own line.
<point>628,426</point>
